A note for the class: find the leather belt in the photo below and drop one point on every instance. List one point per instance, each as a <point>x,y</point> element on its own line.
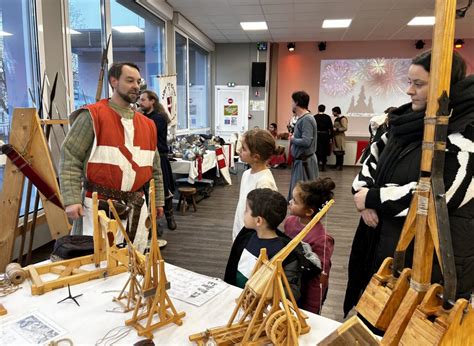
<point>132,199</point>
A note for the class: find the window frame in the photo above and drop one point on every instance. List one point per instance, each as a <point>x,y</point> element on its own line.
<point>106,31</point>
<point>189,130</point>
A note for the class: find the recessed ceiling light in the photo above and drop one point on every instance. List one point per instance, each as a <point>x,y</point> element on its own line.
<point>336,23</point>
<point>4,33</point>
<point>254,25</point>
<point>422,21</point>
<point>127,29</point>
<point>74,32</point>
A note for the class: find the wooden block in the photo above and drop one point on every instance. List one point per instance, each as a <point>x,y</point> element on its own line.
<point>383,295</point>
<point>433,325</point>
<point>352,332</point>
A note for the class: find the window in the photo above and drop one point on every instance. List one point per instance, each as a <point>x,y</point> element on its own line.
<point>192,69</point>
<point>18,63</point>
<point>181,77</point>
<point>138,37</point>
<point>198,86</point>
<point>86,46</point>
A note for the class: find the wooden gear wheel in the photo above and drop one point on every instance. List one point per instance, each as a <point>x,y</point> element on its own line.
<point>277,327</point>
<point>249,298</point>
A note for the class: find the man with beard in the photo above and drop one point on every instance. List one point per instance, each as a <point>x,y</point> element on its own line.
<point>303,142</point>
<point>111,149</point>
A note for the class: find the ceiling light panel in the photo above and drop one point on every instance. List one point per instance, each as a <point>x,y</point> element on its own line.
<point>336,23</point>
<point>429,20</point>
<point>254,26</point>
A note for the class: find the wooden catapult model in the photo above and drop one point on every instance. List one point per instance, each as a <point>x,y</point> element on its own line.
<point>29,146</point>
<point>69,272</point>
<point>402,301</point>
<point>270,313</point>
<point>151,295</point>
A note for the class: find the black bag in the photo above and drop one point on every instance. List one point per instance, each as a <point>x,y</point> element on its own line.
<point>71,246</point>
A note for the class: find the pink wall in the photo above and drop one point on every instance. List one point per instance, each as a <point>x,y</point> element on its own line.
<point>300,70</point>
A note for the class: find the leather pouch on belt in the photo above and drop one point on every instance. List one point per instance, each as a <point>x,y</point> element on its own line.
<point>122,209</point>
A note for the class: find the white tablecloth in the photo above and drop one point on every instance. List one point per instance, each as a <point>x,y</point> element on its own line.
<point>190,168</point>
<point>90,322</point>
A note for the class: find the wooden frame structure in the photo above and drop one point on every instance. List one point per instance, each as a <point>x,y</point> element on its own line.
<point>270,313</point>
<point>406,305</point>
<point>151,295</point>
<point>27,137</point>
<point>70,272</point>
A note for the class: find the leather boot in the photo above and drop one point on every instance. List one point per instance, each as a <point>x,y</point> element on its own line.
<point>169,214</point>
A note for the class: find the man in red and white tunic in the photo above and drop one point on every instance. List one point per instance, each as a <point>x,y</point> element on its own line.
<point>112,149</point>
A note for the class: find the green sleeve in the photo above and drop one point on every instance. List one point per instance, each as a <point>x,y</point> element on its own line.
<point>74,153</point>
<point>158,176</point>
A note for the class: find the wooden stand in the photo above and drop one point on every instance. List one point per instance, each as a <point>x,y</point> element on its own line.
<point>159,309</point>
<point>270,313</point>
<point>69,272</point>
<point>28,139</point>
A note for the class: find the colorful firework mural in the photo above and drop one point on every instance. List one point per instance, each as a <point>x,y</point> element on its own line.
<point>364,87</point>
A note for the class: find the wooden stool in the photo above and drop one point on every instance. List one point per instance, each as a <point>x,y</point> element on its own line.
<point>186,193</point>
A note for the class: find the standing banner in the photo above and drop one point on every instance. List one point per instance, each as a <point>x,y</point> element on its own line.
<point>168,96</point>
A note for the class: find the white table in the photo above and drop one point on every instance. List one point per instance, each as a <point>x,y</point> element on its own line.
<point>190,168</point>
<point>90,322</point>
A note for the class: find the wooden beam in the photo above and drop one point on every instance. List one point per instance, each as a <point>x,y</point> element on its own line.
<point>54,121</point>
<point>28,139</point>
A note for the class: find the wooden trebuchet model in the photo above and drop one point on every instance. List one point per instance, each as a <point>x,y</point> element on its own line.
<point>402,301</point>
<point>150,299</point>
<point>69,272</point>
<point>270,313</point>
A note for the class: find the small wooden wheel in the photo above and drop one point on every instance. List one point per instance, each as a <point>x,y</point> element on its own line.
<point>271,321</point>
<point>280,333</point>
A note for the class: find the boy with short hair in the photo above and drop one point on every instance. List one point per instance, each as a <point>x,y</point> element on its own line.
<point>265,210</point>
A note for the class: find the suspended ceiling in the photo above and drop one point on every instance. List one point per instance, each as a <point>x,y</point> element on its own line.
<point>301,20</point>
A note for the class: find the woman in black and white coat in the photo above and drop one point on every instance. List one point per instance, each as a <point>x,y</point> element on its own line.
<point>383,189</point>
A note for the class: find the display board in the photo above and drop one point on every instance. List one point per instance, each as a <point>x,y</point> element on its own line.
<point>232,110</point>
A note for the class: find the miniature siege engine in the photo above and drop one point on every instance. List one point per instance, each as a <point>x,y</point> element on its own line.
<point>70,272</point>
<point>149,300</point>
<point>270,313</point>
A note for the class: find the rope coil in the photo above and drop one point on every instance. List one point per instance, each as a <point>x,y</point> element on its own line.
<point>15,273</point>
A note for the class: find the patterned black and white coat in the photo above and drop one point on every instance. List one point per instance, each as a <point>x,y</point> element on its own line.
<point>391,200</point>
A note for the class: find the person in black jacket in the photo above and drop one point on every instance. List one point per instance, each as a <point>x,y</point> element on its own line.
<point>325,130</point>
<point>383,189</point>
<point>153,109</point>
<point>265,210</point>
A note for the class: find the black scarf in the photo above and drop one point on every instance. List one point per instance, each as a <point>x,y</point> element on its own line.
<point>407,126</point>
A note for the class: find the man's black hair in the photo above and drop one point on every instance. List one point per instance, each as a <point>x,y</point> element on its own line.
<point>301,98</point>
<point>337,110</point>
<point>268,204</point>
<point>321,108</point>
